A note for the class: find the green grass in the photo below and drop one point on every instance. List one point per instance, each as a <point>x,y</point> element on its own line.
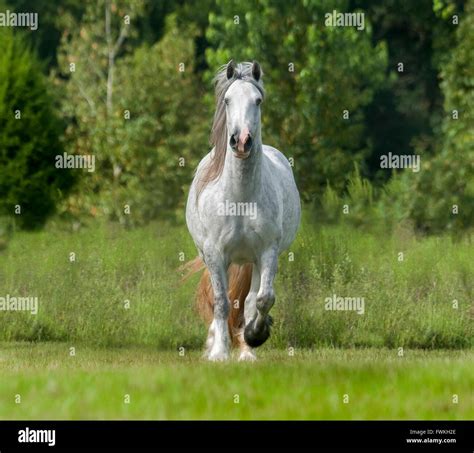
<point>119,351</point>
<point>164,385</point>
<point>408,303</point>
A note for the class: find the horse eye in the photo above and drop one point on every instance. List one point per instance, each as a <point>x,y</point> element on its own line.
<point>258,101</point>
<point>226,101</point>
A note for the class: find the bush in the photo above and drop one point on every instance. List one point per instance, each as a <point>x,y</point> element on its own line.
<point>30,184</point>
<point>444,190</point>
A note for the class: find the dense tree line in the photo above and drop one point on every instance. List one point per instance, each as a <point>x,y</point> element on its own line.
<point>130,83</point>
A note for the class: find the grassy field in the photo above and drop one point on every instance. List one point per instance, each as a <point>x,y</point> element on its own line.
<point>115,296</point>
<point>164,385</point>
<point>123,289</point>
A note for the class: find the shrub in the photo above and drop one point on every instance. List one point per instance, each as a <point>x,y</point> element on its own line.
<point>30,184</point>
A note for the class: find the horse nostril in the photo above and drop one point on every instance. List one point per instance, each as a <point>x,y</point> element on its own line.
<point>248,143</point>
<point>233,140</point>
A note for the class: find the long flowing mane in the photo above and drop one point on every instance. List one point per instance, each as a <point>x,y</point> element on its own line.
<point>218,137</point>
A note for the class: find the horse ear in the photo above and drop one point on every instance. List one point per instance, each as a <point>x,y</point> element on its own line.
<point>256,70</point>
<point>230,69</point>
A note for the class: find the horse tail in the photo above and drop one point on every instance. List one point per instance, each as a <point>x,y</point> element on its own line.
<point>239,277</point>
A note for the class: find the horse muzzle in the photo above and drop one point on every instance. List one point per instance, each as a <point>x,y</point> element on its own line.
<point>242,144</point>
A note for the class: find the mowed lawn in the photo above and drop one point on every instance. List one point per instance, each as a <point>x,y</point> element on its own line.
<point>43,381</point>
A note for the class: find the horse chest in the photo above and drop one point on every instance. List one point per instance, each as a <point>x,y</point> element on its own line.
<point>243,239</point>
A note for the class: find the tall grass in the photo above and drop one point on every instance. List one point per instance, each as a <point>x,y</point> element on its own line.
<point>408,303</point>
<point>409,286</point>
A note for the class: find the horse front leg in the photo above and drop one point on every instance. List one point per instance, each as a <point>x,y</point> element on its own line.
<point>257,330</point>
<point>218,342</point>
<point>250,313</point>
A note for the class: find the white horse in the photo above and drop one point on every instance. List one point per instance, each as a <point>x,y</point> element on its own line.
<point>243,207</point>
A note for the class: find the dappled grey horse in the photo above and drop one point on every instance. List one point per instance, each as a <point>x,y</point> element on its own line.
<point>243,207</point>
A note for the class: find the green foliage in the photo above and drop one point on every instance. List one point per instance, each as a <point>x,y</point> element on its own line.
<point>313,74</point>
<point>165,138</point>
<point>355,206</point>
<point>135,111</point>
<point>335,69</point>
<point>444,191</point>
<point>405,116</point>
<point>85,78</point>
<point>30,131</point>
<point>365,206</point>
<point>441,196</point>
<point>52,17</point>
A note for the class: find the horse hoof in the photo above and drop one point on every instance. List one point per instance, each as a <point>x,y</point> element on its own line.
<point>255,338</point>
<point>218,356</point>
<point>247,356</point>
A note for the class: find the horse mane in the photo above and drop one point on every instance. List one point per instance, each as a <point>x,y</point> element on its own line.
<point>218,138</point>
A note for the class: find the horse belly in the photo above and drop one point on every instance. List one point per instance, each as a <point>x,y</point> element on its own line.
<point>241,252</point>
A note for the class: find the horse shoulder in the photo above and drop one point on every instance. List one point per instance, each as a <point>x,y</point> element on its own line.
<point>284,185</point>
<point>276,156</point>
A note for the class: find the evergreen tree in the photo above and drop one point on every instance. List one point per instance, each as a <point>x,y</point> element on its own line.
<point>30,184</point>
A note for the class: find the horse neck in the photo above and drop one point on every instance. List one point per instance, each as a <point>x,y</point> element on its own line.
<point>242,177</point>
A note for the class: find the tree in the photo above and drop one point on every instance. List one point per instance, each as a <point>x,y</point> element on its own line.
<point>409,109</point>
<point>166,135</point>
<point>444,190</point>
<point>48,35</point>
<point>318,79</point>
<point>30,184</point>
<point>135,108</point>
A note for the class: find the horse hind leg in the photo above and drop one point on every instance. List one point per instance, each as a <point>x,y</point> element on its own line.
<point>240,295</point>
<point>246,352</point>
<point>239,283</point>
<point>240,278</point>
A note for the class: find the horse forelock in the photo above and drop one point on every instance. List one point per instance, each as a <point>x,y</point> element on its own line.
<point>213,169</point>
